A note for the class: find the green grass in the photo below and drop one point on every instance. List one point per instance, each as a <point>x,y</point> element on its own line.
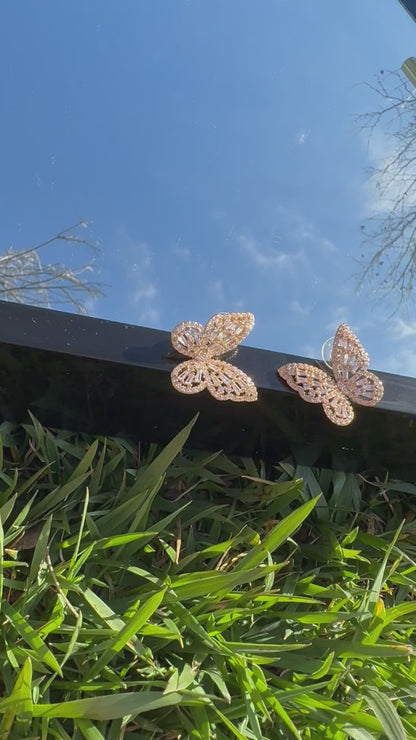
<point>172,595</point>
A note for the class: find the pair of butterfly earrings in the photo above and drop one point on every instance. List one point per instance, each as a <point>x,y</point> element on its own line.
<point>222,334</point>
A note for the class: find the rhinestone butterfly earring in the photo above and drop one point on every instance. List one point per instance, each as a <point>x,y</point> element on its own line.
<point>205,345</point>
<point>351,379</point>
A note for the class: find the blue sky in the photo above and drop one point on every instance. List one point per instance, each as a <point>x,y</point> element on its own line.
<point>213,145</point>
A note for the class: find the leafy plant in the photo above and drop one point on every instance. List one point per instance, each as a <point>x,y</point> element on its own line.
<point>178,595</point>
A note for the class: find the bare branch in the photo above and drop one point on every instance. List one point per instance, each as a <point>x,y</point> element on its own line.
<point>24,278</point>
<point>388,261</point>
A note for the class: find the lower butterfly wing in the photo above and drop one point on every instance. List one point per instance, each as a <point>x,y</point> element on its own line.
<point>189,377</point>
<point>228,383</point>
<point>315,386</point>
<point>337,407</point>
<point>364,388</point>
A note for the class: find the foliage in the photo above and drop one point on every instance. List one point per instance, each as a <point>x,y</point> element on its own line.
<point>25,278</point>
<point>180,595</point>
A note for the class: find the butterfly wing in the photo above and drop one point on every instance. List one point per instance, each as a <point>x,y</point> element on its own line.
<point>185,337</point>
<point>223,332</point>
<point>337,407</point>
<point>316,386</point>
<point>228,383</point>
<point>189,377</point>
<point>349,362</point>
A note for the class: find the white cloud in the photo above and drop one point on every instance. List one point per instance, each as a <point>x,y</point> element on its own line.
<point>402,362</point>
<point>339,316</point>
<point>180,251</point>
<point>238,305</point>
<point>402,330</point>
<point>309,350</point>
<point>305,231</point>
<point>297,307</point>
<point>145,294</point>
<point>216,291</point>
<point>302,137</point>
<point>386,187</point>
<point>267,257</point>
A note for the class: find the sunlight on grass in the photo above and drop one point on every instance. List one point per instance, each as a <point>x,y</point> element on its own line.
<point>175,595</point>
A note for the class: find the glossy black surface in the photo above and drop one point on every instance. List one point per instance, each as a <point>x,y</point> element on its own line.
<point>103,377</point>
<point>410,6</point>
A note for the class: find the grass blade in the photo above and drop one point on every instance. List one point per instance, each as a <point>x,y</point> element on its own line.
<point>111,706</point>
<point>386,713</point>
<point>22,626</point>
<point>277,536</point>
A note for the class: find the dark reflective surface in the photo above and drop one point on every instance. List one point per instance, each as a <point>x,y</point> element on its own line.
<point>108,378</point>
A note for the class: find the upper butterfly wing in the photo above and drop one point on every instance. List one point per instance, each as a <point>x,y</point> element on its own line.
<point>349,362</point>
<point>228,383</point>
<point>185,337</point>
<point>316,386</point>
<point>223,332</point>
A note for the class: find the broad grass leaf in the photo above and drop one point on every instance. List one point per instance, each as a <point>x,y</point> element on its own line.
<point>73,639</point>
<point>326,665</point>
<point>8,506</point>
<point>110,618</point>
<point>147,480</point>
<point>31,637</point>
<point>117,540</point>
<point>57,496</point>
<point>132,626</point>
<point>395,613</point>
<point>41,550</point>
<point>197,584</point>
<point>263,648</point>
<point>269,697</point>
<point>112,706</point>
<point>1,562</point>
<point>146,486</point>
<point>220,683</point>
<point>179,681</point>
<point>401,486</point>
<point>356,649</point>
<point>96,477</point>
<point>313,490</point>
<point>187,619</point>
<point>370,603</point>
<point>85,464</point>
<point>19,702</point>
<point>358,733</point>
<point>201,726</point>
<point>346,496</point>
<point>276,536</point>
<point>386,713</point>
<point>228,723</point>
<point>88,730</point>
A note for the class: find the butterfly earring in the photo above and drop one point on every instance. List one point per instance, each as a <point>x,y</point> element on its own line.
<point>352,380</point>
<point>205,345</point>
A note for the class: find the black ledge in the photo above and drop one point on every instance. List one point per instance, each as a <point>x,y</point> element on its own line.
<point>410,6</point>
<point>101,377</point>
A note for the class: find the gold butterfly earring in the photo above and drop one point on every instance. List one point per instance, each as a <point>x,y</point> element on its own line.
<point>352,380</point>
<point>205,345</point>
